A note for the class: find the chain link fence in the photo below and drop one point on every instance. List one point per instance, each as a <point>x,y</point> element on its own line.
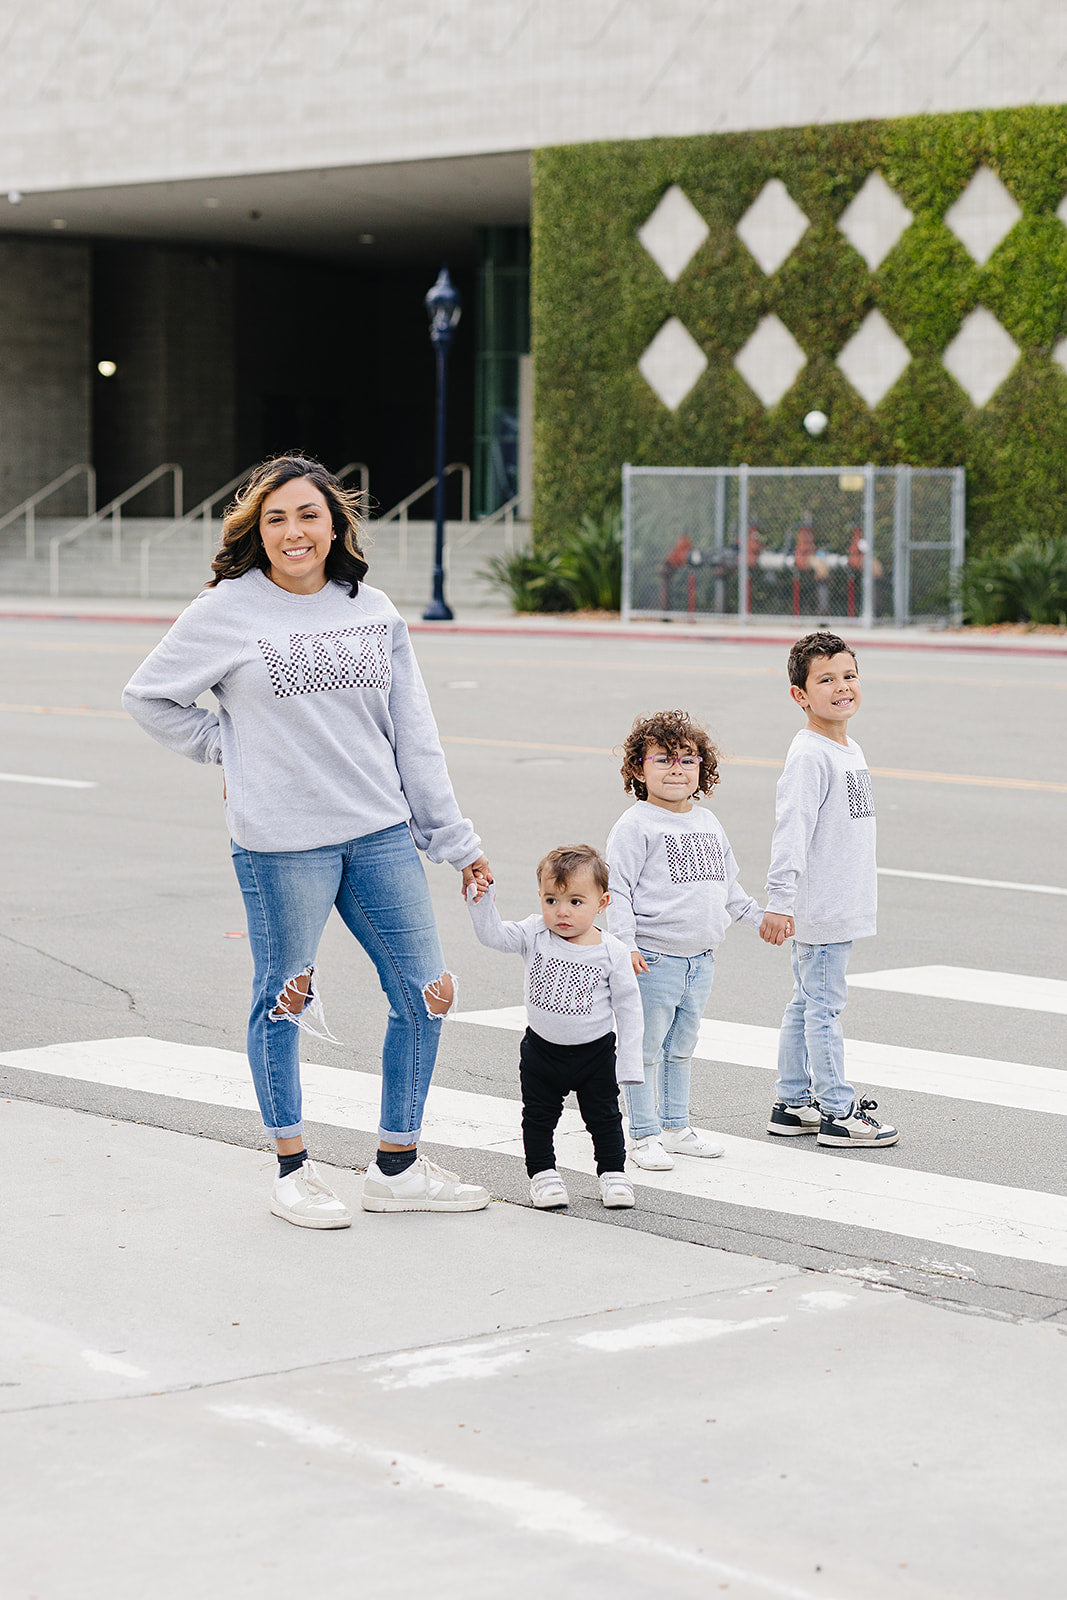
<point>821,544</point>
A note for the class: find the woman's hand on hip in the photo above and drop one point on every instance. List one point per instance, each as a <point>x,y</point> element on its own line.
<point>480,874</point>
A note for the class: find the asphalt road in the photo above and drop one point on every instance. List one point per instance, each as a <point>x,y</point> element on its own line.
<point>120,906</point>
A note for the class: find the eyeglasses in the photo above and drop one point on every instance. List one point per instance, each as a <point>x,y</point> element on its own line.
<point>664,762</point>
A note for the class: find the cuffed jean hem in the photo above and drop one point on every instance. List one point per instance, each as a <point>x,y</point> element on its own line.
<point>410,1136</point>
<point>294,1132</point>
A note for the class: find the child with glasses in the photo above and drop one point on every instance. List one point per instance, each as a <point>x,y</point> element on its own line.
<point>674,892</point>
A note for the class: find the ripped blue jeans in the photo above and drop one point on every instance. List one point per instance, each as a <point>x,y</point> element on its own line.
<point>379,888</point>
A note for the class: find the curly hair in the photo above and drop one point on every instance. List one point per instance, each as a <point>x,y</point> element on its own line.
<point>562,866</point>
<point>242,548</point>
<point>815,647</point>
<point>671,730</point>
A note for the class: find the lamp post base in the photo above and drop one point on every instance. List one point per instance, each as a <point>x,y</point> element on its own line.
<point>437,611</point>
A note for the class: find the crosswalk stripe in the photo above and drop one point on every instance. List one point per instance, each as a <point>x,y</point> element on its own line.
<point>883,1066</point>
<point>965,983</point>
<point>858,1190</point>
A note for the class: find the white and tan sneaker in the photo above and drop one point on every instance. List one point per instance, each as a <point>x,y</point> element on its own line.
<point>424,1186</point>
<point>691,1142</point>
<point>616,1190</point>
<point>857,1128</point>
<point>651,1154</point>
<point>302,1198</point>
<point>548,1190</point>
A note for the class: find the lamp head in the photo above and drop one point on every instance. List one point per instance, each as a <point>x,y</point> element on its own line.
<point>443,306</point>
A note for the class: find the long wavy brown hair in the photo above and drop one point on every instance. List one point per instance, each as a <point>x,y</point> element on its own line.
<point>242,548</point>
<point>672,731</point>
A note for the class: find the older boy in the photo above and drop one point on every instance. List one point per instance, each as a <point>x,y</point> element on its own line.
<point>822,890</point>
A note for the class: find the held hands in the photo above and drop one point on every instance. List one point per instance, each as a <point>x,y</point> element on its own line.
<point>776,927</point>
<point>640,965</point>
<point>478,875</point>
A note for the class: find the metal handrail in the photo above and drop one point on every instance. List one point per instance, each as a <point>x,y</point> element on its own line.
<point>113,509</point>
<point>364,476</point>
<point>400,510</point>
<point>28,507</point>
<point>201,509</point>
<point>503,514</point>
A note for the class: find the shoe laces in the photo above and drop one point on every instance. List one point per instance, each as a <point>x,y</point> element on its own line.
<point>864,1108</point>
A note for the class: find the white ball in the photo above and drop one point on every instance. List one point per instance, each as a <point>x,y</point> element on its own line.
<point>816,422</point>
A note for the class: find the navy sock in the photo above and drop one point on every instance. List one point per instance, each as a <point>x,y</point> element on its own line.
<point>391,1163</point>
<point>288,1164</point>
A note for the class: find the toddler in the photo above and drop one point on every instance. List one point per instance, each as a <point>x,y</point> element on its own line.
<point>674,891</point>
<point>577,980</point>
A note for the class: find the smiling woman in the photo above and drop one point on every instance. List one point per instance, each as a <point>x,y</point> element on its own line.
<point>334,773</point>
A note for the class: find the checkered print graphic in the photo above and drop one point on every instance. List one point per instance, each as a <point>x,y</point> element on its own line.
<point>565,987</point>
<point>344,658</point>
<point>695,857</point>
<point>860,796</point>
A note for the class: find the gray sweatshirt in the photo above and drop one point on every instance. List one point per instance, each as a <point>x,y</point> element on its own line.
<point>674,884</point>
<point>324,730</point>
<point>573,991</point>
<point>822,870</point>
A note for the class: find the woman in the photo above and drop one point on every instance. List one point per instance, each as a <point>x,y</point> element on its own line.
<point>333,772</point>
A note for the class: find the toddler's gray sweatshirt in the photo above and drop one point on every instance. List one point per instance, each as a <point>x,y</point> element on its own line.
<point>822,870</point>
<point>572,990</point>
<point>674,884</point>
<point>324,729</point>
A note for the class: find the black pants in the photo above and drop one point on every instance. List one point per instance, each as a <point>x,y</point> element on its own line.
<point>547,1073</point>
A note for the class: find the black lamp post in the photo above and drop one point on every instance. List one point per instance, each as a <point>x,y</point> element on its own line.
<point>443,305</point>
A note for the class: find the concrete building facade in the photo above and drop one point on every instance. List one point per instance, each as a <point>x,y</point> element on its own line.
<point>241,205</point>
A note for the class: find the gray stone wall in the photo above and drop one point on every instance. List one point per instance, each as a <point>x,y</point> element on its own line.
<point>44,367</point>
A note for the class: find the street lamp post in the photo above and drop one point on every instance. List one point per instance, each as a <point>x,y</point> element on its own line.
<point>443,306</point>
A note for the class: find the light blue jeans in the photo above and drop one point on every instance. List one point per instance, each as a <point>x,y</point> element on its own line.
<point>811,1045</point>
<point>674,992</point>
<point>379,888</point>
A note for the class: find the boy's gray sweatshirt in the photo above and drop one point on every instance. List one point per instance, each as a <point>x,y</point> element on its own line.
<point>822,870</point>
<point>674,884</point>
<point>324,730</point>
<point>572,990</point>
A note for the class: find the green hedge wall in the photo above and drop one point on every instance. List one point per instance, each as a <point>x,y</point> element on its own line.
<point>598,299</point>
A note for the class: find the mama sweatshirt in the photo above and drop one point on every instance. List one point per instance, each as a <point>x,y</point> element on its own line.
<point>324,730</point>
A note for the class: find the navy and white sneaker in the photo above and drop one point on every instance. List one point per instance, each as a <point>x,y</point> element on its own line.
<point>791,1120</point>
<point>856,1127</point>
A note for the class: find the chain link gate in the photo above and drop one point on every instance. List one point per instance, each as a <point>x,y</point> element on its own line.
<point>861,544</point>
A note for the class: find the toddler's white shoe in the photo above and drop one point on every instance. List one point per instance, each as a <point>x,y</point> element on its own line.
<point>651,1154</point>
<point>303,1199</point>
<point>691,1142</point>
<point>547,1190</point>
<point>616,1190</point>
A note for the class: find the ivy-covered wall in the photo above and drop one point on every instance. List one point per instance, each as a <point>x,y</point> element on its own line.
<point>598,299</point>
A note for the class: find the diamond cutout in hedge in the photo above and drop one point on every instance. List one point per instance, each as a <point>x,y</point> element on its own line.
<point>874,358</point>
<point>770,360</point>
<point>984,214</point>
<point>673,233</point>
<point>1059,354</point>
<point>773,225</point>
<point>981,355</point>
<point>672,363</point>
<point>874,220</point>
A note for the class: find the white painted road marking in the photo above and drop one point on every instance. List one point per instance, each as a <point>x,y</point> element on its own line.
<point>883,1066</point>
<point>855,1191</point>
<point>53,783</point>
<point>974,883</point>
<point>965,983</point>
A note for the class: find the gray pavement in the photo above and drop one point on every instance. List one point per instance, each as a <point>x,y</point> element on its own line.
<point>135,1224</point>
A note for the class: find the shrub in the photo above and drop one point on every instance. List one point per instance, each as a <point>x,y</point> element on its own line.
<point>531,579</point>
<point>1027,583</point>
<point>583,572</point>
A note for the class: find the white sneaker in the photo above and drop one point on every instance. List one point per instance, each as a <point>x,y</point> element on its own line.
<point>616,1190</point>
<point>424,1186</point>
<point>547,1190</point>
<point>691,1142</point>
<point>650,1154</point>
<point>303,1198</point>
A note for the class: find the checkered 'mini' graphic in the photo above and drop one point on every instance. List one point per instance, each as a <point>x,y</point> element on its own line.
<point>695,857</point>
<point>565,987</point>
<point>860,796</point>
<point>319,661</point>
